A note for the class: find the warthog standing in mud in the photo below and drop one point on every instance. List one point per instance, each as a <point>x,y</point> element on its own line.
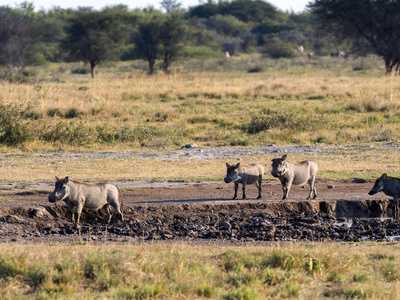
<point>390,186</point>
<point>251,174</point>
<point>295,173</point>
<point>79,195</point>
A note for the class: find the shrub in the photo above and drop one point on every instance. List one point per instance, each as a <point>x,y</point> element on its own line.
<point>51,112</point>
<point>283,121</point>
<point>276,48</point>
<point>255,69</point>
<point>14,129</point>
<point>72,113</point>
<point>80,70</point>
<point>17,76</point>
<point>360,277</point>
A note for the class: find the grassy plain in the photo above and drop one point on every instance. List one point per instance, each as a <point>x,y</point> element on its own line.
<point>342,162</point>
<point>222,102</point>
<point>320,102</point>
<point>181,271</point>
<point>299,102</point>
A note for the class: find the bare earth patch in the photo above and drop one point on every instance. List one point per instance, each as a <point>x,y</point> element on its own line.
<point>205,213</point>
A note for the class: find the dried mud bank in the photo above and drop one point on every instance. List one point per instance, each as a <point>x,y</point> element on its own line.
<point>223,223</point>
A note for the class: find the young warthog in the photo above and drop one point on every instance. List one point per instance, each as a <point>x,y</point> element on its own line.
<point>390,186</point>
<point>297,174</point>
<point>79,195</point>
<point>251,174</point>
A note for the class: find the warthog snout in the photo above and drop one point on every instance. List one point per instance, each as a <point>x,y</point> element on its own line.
<point>378,186</point>
<point>52,198</point>
<point>275,173</point>
<point>227,180</point>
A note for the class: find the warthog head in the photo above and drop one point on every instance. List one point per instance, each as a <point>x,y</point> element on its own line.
<point>378,186</point>
<point>61,190</point>
<point>279,166</point>
<point>232,173</point>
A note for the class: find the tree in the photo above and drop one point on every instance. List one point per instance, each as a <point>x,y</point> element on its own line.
<point>171,5</point>
<point>172,35</point>
<point>371,23</point>
<point>160,36</point>
<point>243,10</point>
<point>147,40</point>
<point>18,35</point>
<point>94,36</point>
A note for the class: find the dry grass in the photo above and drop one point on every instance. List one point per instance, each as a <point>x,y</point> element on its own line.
<point>211,109</point>
<point>334,163</point>
<point>292,102</point>
<point>181,271</point>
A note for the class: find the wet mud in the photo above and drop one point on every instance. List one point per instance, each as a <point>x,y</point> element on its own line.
<point>204,212</point>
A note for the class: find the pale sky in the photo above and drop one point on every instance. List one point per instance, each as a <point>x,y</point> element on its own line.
<point>295,5</point>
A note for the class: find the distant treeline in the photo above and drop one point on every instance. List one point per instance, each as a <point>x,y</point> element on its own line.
<point>212,29</point>
<point>208,30</point>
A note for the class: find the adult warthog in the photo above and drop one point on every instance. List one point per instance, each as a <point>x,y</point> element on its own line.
<point>78,195</point>
<point>295,173</point>
<point>251,174</point>
<point>390,186</point>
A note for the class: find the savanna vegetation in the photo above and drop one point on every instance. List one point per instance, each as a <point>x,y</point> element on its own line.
<point>265,93</point>
<point>179,271</point>
<point>345,104</point>
<point>301,102</point>
<point>29,36</point>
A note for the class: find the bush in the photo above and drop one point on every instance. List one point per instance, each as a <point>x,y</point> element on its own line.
<point>255,69</point>
<point>14,129</point>
<point>282,120</point>
<point>17,76</point>
<point>80,70</point>
<point>72,113</point>
<point>276,48</point>
<point>51,112</point>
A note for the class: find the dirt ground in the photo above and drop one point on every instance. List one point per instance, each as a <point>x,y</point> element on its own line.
<point>205,212</point>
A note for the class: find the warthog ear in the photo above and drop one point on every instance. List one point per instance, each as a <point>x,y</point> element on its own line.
<point>227,165</point>
<point>57,179</point>
<point>383,176</point>
<point>237,165</point>
<point>284,157</point>
<point>66,179</point>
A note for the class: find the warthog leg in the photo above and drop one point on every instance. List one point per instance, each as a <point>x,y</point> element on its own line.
<point>313,189</point>
<point>244,190</point>
<point>286,187</point>
<point>73,209</point>
<point>79,211</point>
<point>117,208</point>
<point>107,207</point>
<point>236,189</point>
<point>396,203</point>
<point>258,184</point>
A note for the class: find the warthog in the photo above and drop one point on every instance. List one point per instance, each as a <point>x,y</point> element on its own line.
<point>78,195</point>
<point>390,186</point>
<point>251,174</point>
<point>294,173</point>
